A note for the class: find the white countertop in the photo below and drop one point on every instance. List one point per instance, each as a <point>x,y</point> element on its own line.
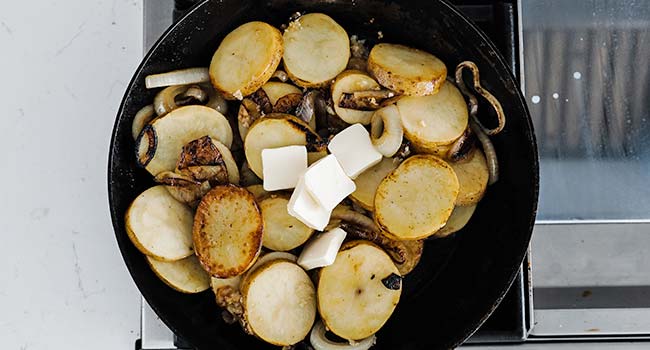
<point>64,67</point>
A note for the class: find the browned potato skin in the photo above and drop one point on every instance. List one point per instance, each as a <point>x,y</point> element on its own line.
<point>411,86</point>
<point>245,210</point>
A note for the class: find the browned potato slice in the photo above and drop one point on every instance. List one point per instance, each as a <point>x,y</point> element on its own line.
<point>227,231</point>
<point>358,293</point>
<point>282,231</point>
<point>184,275</point>
<point>159,225</point>
<point>432,121</point>
<point>232,282</point>
<point>416,199</point>
<point>458,219</point>
<point>246,59</point>
<point>368,182</point>
<point>348,82</point>
<point>272,131</point>
<point>279,301</point>
<point>160,143</point>
<point>473,178</point>
<point>316,49</point>
<point>406,70</point>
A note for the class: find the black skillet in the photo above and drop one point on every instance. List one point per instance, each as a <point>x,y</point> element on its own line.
<point>461,279</point>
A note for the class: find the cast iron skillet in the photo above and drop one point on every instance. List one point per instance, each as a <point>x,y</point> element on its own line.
<point>460,280</point>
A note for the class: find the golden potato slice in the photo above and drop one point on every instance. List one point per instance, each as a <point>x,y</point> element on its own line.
<point>316,50</point>
<point>279,301</point>
<point>246,59</point>
<point>159,225</point>
<point>272,131</point>
<point>368,182</point>
<point>416,199</point>
<point>432,121</point>
<point>282,231</point>
<point>184,275</point>
<point>276,90</point>
<point>227,231</point>
<point>159,144</point>
<point>458,219</point>
<point>473,178</point>
<point>358,293</point>
<point>217,283</point>
<point>406,70</point>
<point>348,82</point>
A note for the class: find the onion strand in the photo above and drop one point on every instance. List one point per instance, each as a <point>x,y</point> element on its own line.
<point>178,77</point>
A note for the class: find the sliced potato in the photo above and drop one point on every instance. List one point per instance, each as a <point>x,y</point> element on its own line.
<point>416,199</point>
<point>458,219</point>
<point>184,275</point>
<point>272,131</point>
<point>348,82</point>
<point>231,165</point>
<point>205,159</point>
<point>358,293</point>
<point>246,59</point>
<point>282,231</point>
<point>160,143</point>
<point>159,225</point>
<point>269,256</point>
<point>369,180</point>
<point>227,231</point>
<point>406,70</point>
<point>316,49</point>
<point>473,177</point>
<point>276,90</point>
<point>432,121</point>
<point>279,302</point>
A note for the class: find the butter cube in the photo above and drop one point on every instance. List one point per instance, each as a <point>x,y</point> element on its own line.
<point>354,150</point>
<point>281,167</point>
<point>326,181</point>
<point>321,250</point>
<point>305,208</point>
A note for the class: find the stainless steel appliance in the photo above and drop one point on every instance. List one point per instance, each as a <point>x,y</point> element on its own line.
<point>584,67</point>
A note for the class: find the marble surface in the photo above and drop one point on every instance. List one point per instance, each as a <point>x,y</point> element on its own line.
<point>64,66</point>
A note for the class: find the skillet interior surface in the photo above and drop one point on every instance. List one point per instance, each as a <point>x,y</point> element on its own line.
<point>460,279</point>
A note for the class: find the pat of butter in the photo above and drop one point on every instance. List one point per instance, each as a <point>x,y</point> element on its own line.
<point>354,150</point>
<point>281,167</point>
<point>326,181</point>
<point>321,250</point>
<point>305,208</point>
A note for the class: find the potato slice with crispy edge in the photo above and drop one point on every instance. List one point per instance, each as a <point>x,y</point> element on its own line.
<point>227,231</point>
<point>272,131</point>
<point>369,180</point>
<point>279,301</point>
<point>406,70</point>
<point>276,90</point>
<point>246,59</point>
<point>352,81</point>
<point>416,199</point>
<point>473,177</point>
<point>159,225</point>
<point>186,275</point>
<point>316,50</point>
<point>433,121</point>
<point>159,145</point>
<point>359,292</point>
<point>282,232</point>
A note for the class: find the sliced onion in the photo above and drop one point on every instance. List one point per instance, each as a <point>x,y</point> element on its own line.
<point>319,341</point>
<point>142,118</point>
<point>165,100</point>
<point>386,130</point>
<point>215,100</point>
<point>178,77</point>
